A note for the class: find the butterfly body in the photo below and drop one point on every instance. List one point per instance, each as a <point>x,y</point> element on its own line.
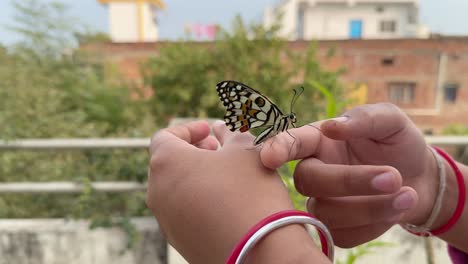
<point>247,108</point>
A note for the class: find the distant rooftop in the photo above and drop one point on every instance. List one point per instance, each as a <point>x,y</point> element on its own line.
<point>350,2</point>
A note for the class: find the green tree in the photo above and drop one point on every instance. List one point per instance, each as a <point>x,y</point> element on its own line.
<point>183,75</point>
<point>47,90</point>
<point>461,152</point>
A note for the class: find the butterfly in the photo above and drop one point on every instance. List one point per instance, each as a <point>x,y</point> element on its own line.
<point>247,108</point>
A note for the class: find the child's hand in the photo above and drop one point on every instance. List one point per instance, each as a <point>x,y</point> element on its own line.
<point>205,199</point>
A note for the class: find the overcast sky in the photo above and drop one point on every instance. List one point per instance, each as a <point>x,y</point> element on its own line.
<point>442,16</point>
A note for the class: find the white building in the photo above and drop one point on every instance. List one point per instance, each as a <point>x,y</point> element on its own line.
<point>133,20</point>
<point>344,19</point>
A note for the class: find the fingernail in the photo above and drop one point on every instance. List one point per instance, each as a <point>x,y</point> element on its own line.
<point>310,204</point>
<point>341,119</point>
<point>384,182</point>
<point>403,201</point>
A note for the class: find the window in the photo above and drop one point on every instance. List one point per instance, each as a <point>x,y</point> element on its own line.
<point>355,29</point>
<point>380,9</point>
<point>401,92</point>
<point>450,92</point>
<point>388,61</point>
<point>388,26</point>
<point>412,18</point>
<point>428,131</point>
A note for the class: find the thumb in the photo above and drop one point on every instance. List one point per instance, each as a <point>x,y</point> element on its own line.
<point>374,121</point>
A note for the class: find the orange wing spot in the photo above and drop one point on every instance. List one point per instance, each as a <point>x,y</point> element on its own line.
<point>253,112</point>
<point>246,106</point>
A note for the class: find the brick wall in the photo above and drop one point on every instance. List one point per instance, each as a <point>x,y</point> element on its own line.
<point>425,64</point>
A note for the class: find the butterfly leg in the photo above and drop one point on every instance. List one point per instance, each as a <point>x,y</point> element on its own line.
<point>315,127</point>
<point>255,147</point>
<point>292,145</point>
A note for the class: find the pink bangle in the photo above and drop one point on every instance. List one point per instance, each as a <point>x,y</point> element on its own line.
<point>461,199</point>
<point>273,222</point>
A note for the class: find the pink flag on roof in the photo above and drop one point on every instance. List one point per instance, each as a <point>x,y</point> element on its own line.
<point>210,31</point>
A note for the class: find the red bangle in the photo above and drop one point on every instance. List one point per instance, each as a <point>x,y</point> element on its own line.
<point>461,195</point>
<point>270,219</point>
<point>461,198</point>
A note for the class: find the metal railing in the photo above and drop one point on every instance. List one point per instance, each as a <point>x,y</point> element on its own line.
<point>115,143</point>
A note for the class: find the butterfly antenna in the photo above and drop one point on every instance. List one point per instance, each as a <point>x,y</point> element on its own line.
<point>296,95</point>
<point>292,101</point>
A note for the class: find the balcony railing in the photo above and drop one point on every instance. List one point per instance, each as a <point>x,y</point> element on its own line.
<point>115,143</point>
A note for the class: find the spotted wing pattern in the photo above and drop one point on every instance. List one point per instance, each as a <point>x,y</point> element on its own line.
<point>246,108</point>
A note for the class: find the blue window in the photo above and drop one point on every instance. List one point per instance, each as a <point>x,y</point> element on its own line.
<point>355,29</point>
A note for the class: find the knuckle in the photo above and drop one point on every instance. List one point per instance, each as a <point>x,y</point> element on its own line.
<point>389,107</point>
<point>157,162</point>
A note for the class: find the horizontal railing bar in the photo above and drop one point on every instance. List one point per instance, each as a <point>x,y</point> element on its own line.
<point>88,143</point>
<point>447,140</point>
<point>136,143</point>
<point>69,187</point>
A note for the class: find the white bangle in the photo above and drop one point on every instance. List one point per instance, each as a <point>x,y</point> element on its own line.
<point>257,236</point>
<point>426,227</point>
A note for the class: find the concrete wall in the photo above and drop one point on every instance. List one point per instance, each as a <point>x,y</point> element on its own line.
<point>57,241</point>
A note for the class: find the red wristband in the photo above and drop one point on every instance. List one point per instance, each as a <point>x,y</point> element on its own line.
<point>270,219</point>
<point>461,198</point>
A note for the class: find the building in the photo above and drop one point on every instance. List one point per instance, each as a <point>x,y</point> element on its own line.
<point>133,20</point>
<point>424,77</point>
<point>345,19</point>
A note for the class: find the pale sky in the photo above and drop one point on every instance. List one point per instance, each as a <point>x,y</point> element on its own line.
<point>442,16</point>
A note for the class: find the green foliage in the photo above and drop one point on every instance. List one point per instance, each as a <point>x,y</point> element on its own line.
<point>353,255</point>
<point>461,152</point>
<point>456,130</point>
<point>47,91</point>
<point>183,76</point>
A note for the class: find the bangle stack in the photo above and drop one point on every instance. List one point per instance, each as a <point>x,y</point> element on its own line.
<point>425,229</point>
<point>273,222</point>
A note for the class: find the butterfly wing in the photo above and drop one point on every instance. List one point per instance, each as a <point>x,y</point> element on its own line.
<point>246,108</point>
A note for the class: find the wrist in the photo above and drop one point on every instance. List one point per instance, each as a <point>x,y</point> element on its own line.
<point>426,186</point>
<point>450,200</point>
<point>448,205</point>
<point>289,244</point>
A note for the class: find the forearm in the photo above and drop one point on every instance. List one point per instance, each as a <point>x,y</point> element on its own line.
<point>231,218</point>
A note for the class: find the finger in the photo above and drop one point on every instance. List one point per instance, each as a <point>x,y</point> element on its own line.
<point>180,135</point>
<point>298,143</point>
<point>347,212</point>
<point>208,143</point>
<point>351,237</point>
<point>220,131</point>
<point>314,178</point>
<point>224,135</point>
<point>372,121</point>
